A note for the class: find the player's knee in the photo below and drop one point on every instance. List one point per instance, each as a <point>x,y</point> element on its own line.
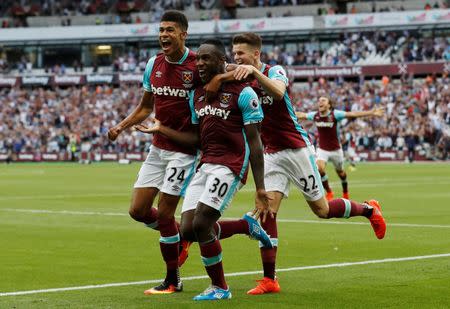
<point>321,213</point>
<point>321,169</point>
<point>136,213</point>
<point>165,213</point>
<point>187,233</point>
<point>200,226</point>
<point>341,174</point>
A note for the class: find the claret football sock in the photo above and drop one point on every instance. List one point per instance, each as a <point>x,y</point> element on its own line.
<point>343,208</point>
<point>324,179</point>
<point>151,220</point>
<point>228,228</point>
<point>169,244</point>
<point>211,254</point>
<point>268,255</point>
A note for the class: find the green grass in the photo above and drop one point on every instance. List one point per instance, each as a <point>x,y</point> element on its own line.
<point>56,249</point>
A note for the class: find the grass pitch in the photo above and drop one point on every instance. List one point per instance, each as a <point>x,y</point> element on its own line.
<point>66,225</point>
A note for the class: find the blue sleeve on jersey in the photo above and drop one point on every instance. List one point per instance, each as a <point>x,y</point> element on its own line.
<point>249,105</point>
<point>277,72</point>
<point>310,116</point>
<point>148,71</point>
<point>194,118</point>
<point>339,115</point>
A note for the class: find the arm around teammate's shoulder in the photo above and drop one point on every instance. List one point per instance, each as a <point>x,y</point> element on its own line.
<point>274,87</point>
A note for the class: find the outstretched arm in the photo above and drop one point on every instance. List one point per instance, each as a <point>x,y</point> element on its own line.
<point>184,138</point>
<point>301,115</point>
<point>140,113</point>
<point>376,112</point>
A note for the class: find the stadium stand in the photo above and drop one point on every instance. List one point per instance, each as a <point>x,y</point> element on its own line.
<point>42,13</point>
<point>55,120</point>
<point>59,96</point>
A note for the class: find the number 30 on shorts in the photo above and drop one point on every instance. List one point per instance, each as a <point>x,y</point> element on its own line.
<point>221,188</point>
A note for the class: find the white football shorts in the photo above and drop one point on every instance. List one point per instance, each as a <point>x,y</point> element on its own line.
<point>168,171</point>
<point>214,185</point>
<point>336,157</point>
<point>293,165</point>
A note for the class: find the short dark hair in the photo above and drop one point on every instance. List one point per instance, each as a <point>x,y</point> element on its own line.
<point>176,17</point>
<point>249,38</point>
<point>218,44</point>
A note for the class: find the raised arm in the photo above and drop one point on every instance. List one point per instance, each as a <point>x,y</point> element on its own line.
<point>140,113</point>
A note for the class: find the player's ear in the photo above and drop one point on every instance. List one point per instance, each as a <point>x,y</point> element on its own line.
<point>183,35</point>
<point>257,53</point>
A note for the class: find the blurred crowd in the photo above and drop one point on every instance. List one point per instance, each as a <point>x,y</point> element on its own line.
<point>417,113</point>
<point>379,47</point>
<point>77,118</point>
<point>72,119</point>
<point>119,10</point>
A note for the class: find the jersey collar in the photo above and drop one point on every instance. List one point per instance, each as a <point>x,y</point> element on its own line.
<point>186,53</point>
<point>263,67</point>
<point>328,114</point>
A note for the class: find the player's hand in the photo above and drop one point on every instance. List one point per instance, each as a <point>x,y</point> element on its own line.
<point>212,88</point>
<point>262,205</point>
<point>114,132</point>
<point>378,112</point>
<point>243,71</point>
<point>149,130</point>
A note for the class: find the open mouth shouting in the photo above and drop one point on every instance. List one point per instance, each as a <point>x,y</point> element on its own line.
<point>165,44</point>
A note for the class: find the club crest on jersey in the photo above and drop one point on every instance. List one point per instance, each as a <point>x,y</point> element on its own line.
<point>188,78</point>
<point>225,99</point>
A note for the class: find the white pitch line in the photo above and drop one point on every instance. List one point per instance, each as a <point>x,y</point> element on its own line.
<point>60,196</point>
<point>236,274</point>
<point>248,188</point>
<point>65,212</point>
<point>119,214</point>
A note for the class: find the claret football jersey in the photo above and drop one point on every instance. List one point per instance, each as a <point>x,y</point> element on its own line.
<point>328,129</point>
<point>280,128</point>
<point>221,123</point>
<point>171,84</point>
